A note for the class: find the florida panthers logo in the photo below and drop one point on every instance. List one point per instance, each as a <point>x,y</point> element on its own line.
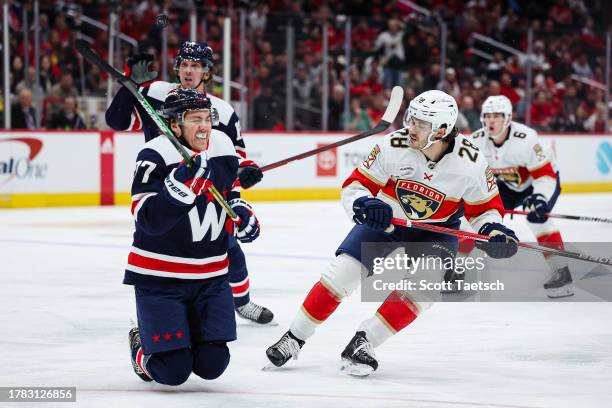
<point>514,176</point>
<point>418,201</point>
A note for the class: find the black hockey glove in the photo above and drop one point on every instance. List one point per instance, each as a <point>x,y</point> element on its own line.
<point>138,68</point>
<point>373,213</point>
<point>537,206</point>
<point>502,241</point>
<point>249,174</point>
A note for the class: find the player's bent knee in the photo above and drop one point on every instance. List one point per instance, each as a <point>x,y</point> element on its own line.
<point>210,359</point>
<point>343,274</point>
<point>171,367</point>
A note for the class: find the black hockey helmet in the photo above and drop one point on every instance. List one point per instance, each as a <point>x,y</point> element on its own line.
<point>179,101</point>
<point>195,51</point>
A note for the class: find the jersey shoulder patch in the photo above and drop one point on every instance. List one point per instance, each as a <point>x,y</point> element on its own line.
<point>159,90</point>
<point>520,132</point>
<point>468,155</point>
<point>220,145</point>
<point>162,146</point>
<point>224,109</point>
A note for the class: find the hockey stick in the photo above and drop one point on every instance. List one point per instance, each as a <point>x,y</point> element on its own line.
<point>393,107</point>
<point>131,86</point>
<point>485,238</point>
<point>566,217</point>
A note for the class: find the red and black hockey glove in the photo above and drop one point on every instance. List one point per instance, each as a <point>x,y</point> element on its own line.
<point>249,174</point>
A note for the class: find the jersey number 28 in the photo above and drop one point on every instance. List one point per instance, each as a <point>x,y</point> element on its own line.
<point>469,150</point>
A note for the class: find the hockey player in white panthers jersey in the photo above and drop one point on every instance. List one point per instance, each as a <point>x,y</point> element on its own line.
<point>527,176</point>
<point>194,66</point>
<point>425,172</point>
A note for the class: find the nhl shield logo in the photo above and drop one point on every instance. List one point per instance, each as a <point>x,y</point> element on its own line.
<point>418,201</point>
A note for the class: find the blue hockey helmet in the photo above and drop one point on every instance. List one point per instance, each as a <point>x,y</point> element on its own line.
<point>195,51</point>
<point>180,101</point>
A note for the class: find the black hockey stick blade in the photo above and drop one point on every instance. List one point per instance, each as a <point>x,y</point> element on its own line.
<point>393,107</point>
<point>89,54</point>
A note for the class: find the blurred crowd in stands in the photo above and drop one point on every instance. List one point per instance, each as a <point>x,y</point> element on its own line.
<point>390,45</point>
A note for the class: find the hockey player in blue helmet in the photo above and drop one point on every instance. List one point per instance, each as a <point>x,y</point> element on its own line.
<point>194,66</point>
<point>179,259</point>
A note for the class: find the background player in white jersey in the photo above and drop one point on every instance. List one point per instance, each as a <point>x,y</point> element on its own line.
<point>194,66</point>
<point>526,176</point>
<point>428,173</point>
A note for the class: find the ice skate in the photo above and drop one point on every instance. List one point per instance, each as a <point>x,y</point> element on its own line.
<point>450,278</point>
<point>559,284</point>
<point>287,348</point>
<point>358,357</point>
<point>257,314</point>
<point>135,348</point>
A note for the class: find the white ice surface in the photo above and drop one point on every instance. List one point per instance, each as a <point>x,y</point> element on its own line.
<point>65,317</point>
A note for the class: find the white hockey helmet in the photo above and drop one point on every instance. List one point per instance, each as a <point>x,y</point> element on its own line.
<point>497,104</point>
<point>436,107</point>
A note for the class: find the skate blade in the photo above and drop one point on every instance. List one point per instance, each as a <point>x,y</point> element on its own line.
<point>454,289</point>
<point>356,370</point>
<point>563,291</point>
<point>269,367</point>
<point>249,322</point>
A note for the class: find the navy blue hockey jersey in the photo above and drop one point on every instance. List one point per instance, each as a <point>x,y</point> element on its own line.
<point>125,113</point>
<point>184,242</point>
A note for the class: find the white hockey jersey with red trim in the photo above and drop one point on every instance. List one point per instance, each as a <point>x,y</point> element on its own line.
<point>420,190</point>
<point>521,160</point>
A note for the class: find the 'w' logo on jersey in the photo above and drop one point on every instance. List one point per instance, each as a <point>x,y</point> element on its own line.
<point>418,201</point>
<point>212,221</point>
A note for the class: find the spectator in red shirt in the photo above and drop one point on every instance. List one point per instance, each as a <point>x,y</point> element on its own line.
<point>542,111</point>
<point>560,13</point>
<point>377,108</point>
<point>507,89</point>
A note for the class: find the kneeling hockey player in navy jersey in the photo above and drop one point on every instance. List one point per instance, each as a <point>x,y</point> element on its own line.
<point>178,262</point>
<point>194,66</point>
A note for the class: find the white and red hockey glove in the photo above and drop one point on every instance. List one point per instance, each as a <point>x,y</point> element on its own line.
<point>184,183</point>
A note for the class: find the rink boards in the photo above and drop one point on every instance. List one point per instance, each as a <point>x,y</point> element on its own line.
<point>95,168</point>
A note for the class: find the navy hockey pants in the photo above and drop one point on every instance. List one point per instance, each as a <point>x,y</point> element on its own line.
<point>184,327</point>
